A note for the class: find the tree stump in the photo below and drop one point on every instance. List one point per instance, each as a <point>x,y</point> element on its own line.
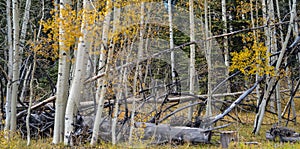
<point>228,136</point>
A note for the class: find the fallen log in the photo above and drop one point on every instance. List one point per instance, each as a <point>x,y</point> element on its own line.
<point>44,102</point>
<point>164,133</point>
<point>234,104</point>
<point>285,134</point>
<point>290,139</point>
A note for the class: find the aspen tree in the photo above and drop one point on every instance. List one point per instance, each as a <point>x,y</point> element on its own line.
<point>16,61</point>
<point>101,89</point>
<point>62,80</point>
<point>10,66</point>
<point>76,90</point>
<point>192,55</point>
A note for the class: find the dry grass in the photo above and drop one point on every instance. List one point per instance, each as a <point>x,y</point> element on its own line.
<point>244,135</point>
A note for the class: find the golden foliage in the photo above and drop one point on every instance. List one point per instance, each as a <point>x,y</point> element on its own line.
<point>63,27</point>
<point>254,60</point>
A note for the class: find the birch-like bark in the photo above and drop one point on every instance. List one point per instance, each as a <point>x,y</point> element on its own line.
<point>16,60</point>
<point>170,14</point>
<point>24,25</point>
<point>76,90</point>
<point>278,99</point>
<point>30,98</point>
<point>116,23</point>
<point>258,95</point>
<point>62,81</point>
<point>208,58</point>
<point>192,56</point>
<point>22,44</point>
<point>295,34</point>
<point>273,42</point>
<point>101,90</point>
<point>267,44</point>
<point>24,87</point>
<point>272,80</point>
<point>225,44</point>
<point>10,66</point>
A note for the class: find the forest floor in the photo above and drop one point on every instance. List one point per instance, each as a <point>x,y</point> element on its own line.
<point>244,135</point>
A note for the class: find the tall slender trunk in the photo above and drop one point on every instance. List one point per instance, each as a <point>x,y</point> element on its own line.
<point>258,95</point>
<point>24,25</point>
<point>116,23</point>
<point>291,83</point>
<point>62,81</point>
<point>22,43</point>
<point>192,55</point>
<point>208,58</point>
<point>76,90</point>
<point>10,66</point>
<point>278,99</point>
<point>101,90</point>
<point>267,44</point>
<point>225,44</point>
<point>16,60</point>
<point>273,42</point>
<point>170,14</point>
<point>30,98</point>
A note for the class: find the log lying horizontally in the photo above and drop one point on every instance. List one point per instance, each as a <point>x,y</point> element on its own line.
<point>163,133</point>
<point>285,134</point>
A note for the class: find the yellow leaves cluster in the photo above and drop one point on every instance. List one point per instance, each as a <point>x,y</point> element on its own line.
<point>252,61</point>
<point>63,27</point>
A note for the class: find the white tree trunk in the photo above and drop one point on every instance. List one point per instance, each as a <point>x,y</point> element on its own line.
<point>25,87</point>
<point>192,55</point>
<point>30,98</point>
<point>76,90</point>
<point>170,14</point>
<point>273,43</point>
<point>24,25</point>
<point>295,34</point>
<point>225,44</point>
<point>10,66</point>
<point>278,98</point>
<point>62,83</point>
<point>258,95</point>
<point>22,44</point>
<point>267,44</point>
<point>16,72</point>
<point>116,23</point>
<point>208,58</point>
<point>100,83</point>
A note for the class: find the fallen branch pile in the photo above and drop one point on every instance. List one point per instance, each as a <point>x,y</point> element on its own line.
<point>283,133</point>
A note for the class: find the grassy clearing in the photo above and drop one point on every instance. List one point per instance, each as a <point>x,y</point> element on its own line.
<point>244,131</point>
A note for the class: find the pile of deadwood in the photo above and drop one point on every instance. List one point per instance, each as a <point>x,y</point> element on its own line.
<point>178,130</point>
<point>283,133</point>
